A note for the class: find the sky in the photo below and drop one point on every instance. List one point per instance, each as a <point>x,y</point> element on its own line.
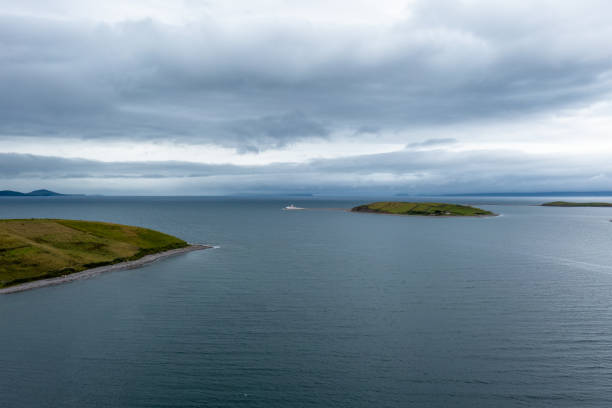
<point>326,97</point>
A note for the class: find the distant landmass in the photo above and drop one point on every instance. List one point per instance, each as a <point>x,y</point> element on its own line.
<point>275,195</point>
<point>532,194</point>
<point>35,193</point>
<point>571,204</point>
<point>428,209</point>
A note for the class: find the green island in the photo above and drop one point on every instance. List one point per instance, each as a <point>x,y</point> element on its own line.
<point>34,249</point>
<point>571,204</point>
<point>417,208</point>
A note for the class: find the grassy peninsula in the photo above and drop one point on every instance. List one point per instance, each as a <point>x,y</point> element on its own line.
<point>416,208</point>
<point>571,204</point>
<point>36,249</point>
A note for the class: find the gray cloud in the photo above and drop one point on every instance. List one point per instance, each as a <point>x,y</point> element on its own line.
<point>406,171</point>
<point>273,131</point>
<point>448,69</point>
<point>274,83</point>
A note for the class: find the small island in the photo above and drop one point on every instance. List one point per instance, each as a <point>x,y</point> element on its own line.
<point>42,252</point>
<point>427,209</point>
<point>572,204</point>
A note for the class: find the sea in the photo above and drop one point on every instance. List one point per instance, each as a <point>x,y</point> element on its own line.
<point>322,308</point>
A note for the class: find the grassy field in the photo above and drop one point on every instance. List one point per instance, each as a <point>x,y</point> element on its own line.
<point>44,248</point>
<point>431,209</point>
<point>570,204</point>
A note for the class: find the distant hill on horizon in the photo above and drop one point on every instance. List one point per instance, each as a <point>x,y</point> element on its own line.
<point>35,193</point>
<point>507,194</point>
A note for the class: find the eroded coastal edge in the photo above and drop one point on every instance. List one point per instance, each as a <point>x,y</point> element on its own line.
<point>89,273</point>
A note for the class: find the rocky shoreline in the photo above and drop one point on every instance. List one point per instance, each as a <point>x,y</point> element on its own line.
<point>88,273</point>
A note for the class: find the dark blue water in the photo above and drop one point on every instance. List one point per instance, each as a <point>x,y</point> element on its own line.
<point>322,308</point>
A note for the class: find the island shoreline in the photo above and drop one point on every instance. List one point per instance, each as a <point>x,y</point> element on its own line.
<point>89,273</point>
<point>427,216</point>
<point>419,208</point>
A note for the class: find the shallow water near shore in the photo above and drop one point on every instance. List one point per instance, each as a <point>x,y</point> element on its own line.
<point>322,309</point>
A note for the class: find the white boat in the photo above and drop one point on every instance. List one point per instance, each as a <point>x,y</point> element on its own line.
<point>293,207</point>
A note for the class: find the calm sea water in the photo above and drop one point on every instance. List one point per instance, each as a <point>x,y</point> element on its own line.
<point>322,308</point>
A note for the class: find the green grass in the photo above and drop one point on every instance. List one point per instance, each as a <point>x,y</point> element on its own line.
<point>570,204</point>
<point>431,209</point>
<point>44,248</point>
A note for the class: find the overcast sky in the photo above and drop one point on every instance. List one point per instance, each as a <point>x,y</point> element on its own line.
<point>318,96</point>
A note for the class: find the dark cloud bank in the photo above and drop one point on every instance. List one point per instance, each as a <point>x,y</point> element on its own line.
<point>434,171</point>
<point>268,84</point>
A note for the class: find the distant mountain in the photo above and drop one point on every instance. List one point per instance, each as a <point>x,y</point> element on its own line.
<point>35,193</point>
<point>532,194</point>
<point>9,193</point>
<point>43,193</point>
<point>539,194</point>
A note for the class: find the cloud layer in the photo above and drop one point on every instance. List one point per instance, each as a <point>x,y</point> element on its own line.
<point>406,171</point>
<point>270,75</point>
